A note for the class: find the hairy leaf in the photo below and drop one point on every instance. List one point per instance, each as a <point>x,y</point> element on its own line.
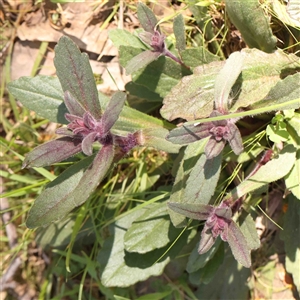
<point>113,110</point>
<point>189,159</point>
<point>114,269</point>
<point>42,94</point>
<point>194,57</point>
<point>273,170</point>
<point>141,60</point>
<point>52,152</point>
<point>193,97</point>
<point>197,261</point>
<point>179,32</point>
<point>150,231</point>
<point>55,194</point>
<point>203,180</point>
<point>122,37</point>
<point>248,228</point>
<point>207,273</point>
<point>226,79</point>
<point>195,211</point>
<point>70,189</point>
<point>249,18</point>
<point>72,105</point>
<point>238,245</point>
<point>231,278</point>
<point>156,138</point>
<point>76,76</point>
<point>146,17</point>
<point>285,90</point>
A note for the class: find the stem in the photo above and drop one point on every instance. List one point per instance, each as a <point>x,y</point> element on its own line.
<point>172,56</point>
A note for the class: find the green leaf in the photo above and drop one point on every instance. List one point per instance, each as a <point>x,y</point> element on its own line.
<point>228,282</point>
<point>194,57</point>
<point>146,17</point>
<point>122,37</point>
<point>150,231</point>
<point>207,273</point>
<point>125,270</point>
<point>70,189</point>
<point>142,92</point>
<point>290,235</point>
<point>42,94</point>
<point>273,170</point>
<point>248,228</point>
<point>193,97</point>
<point>156,138</point>
<point>261,73</point>
<point>197,261</point>
<point>55,194</point>
<point>249,18</point>
<point>161,75</point>
<point>226,79</point>
<point>203,180</point>
<point>76,76</point>
<point>191,155</point>
<point>141,60</point>
<point>285,90</point>
<point>292,179</point>
<point>179,32</point>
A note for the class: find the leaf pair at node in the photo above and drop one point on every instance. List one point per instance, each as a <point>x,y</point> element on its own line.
<point>222,130</point>
<point>151,37</point>
<point>218,222</point>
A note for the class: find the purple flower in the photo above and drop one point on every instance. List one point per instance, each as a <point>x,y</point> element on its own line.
<point>218,223</point>
<point>219,132</point>
<point>81,132</point>
<point>156,40</point>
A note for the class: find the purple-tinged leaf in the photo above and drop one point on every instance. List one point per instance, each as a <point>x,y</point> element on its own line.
<point>238,245</point>
<point>141,60</point>
<point>191,210</point>
<point>73,105</point>
<point>226,79</point>
<point>213,148</point>
<point>113,110</point>
<point>76,76</point>
<point>53,203</point>
<point>189,134</point>
<point>207,240</point>
<point>70,189</point>
<point>52,152</point>
<point>146,17</point>
<point>146,37</point>
<point>234,138</point>
<point>224,212</point>
<point>64,131</point>
<point>87,143</point>
<point>93,175</point>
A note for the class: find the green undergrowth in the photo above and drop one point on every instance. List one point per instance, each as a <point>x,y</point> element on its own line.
<point>124,242</point>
